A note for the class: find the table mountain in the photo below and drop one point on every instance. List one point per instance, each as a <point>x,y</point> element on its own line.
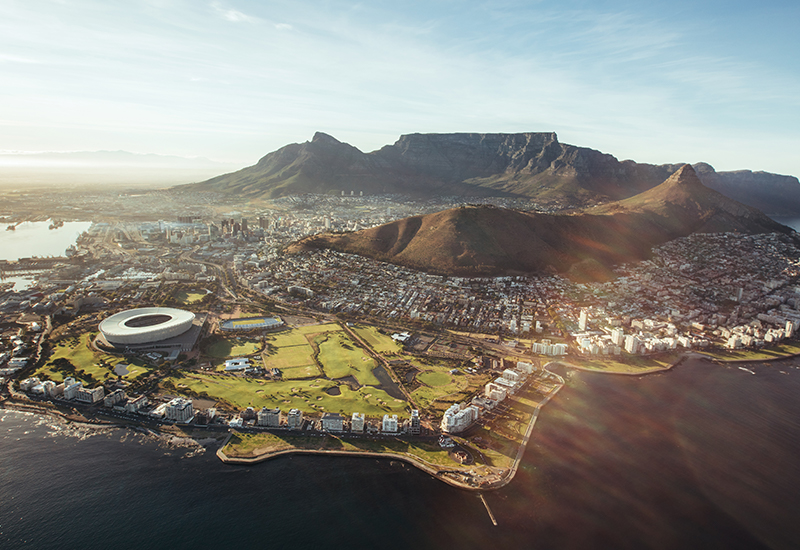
<point>534,165</point>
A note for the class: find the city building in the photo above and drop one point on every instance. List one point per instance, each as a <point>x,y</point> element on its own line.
<point>459,417</point>
<point>270,418</point>
<point>332,422</point>
<point>414,426</point>
<point>71,388</point>
<point>179,410</point>
<point>294,420</point>
<point>85,395</point>
<point>137,404</point>
<point>117,396</point>
<point>357,422</point>
<point>389,424</point>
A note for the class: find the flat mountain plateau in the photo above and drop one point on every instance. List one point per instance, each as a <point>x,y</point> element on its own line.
<point>531,165</point>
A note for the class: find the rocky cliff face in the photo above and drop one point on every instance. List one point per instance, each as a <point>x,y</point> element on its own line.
<point>771,193</point>
<point>534,165</point>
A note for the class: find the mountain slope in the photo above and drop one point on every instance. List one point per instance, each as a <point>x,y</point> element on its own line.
<point>485,240</point>
<point>534,165</point>
<point>526,164</point>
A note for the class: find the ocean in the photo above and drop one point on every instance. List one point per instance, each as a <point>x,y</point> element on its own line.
<point>703,456</point>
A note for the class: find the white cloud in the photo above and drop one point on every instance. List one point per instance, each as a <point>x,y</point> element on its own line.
<point>283,26</point>
<point>232,15</point>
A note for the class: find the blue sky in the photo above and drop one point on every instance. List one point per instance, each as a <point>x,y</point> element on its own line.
<point>232,80</point>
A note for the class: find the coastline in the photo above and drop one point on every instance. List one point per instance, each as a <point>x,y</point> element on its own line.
<point>447,475</point>
<point>441,473</point>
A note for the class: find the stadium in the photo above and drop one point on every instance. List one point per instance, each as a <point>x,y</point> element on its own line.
<point>150,328</point>
<point>251,323</point>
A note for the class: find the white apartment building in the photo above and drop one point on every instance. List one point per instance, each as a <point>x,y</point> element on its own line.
<point>270,418</point>
<point>357,422</point>
<point>179,410</point>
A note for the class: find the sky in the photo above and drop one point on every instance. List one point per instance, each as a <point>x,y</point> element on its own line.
<point>231,80</point>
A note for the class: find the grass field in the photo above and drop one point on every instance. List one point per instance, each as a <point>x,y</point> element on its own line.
<point>296,373</point>
<point>287,338</point>
<point>505,434</point>
<point>249,445</point>
<point>435,378</point>
<point>188,298</point>
<point>380,343</point>
<point>288,357</point>
<point>307,395</point>
<point>317,329</point>
<point>454,390</point>
<point>244,323</point>
<point>340,357</point>
<point>773,352</point>
<point>234,347</point>
<point>77,352</point>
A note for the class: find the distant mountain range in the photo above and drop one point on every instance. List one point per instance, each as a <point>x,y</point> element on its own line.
<point>104,168</point>
<point>107,158</point>
<point>533,165</point>
<point>486,240</point>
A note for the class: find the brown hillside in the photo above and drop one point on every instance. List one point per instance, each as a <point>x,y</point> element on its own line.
<point>485,240</point>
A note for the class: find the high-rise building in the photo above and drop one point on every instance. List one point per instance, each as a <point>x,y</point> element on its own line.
<point>389,425</point>
<point>357,422</point>
<point>244,225</point>
<point>294,420</point>
<point>632,344</point>
<point>414,426</point>
<point>271,418</point>
<point>583,321</point>
<point>617,337</point>
<point>179,410</point>
<point>332,422</point>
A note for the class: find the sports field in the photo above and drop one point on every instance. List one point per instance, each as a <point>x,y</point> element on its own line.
<point>250,323</point>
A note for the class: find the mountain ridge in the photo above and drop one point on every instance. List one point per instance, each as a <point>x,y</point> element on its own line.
<point>529,164</point>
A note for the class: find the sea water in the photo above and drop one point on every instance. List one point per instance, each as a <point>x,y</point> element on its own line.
<point>35,239</point>
<point>703,456</point>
